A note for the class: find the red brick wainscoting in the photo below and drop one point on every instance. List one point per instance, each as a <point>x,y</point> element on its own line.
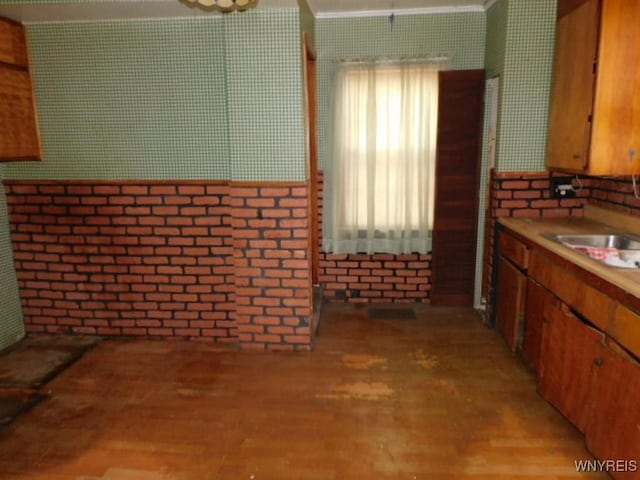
<point>527,195</point>
<point>523,195</point>
<point>198,260</point>
<point>377,278</point>
<point>272,267</point>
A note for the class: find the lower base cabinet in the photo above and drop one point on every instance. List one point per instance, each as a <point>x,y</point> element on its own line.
<point>568,349</point>
<point>567,331</point>
<point>512,284</point>
<point>537,297</point>
<point>613,429</point>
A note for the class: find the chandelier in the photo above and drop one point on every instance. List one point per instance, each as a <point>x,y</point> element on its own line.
<point>226,5</point>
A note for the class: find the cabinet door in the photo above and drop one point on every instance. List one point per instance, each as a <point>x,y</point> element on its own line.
<point>615,139</point>
<point>566,358</point>
<point>19,137</point>
<point>510,302</point>
<point>613,430</point>
<point>537,298</point>
<point>573,87</point>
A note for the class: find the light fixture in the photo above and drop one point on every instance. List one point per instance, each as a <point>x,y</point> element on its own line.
<point>226,5</point>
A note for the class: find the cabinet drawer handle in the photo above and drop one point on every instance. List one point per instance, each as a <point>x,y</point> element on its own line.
<point>598,362</point>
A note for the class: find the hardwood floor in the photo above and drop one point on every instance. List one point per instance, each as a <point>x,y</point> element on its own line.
<point>438,397</point>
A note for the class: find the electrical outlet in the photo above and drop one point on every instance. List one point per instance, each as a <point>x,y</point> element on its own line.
<point>561,187</point>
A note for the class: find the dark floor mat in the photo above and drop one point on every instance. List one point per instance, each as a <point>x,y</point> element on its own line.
<point>35,360</point>
<point>377,313</point>
<point>15,402</point>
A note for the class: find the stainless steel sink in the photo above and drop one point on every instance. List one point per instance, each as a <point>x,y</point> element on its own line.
<point>619,241</point>
<point>622,250</point>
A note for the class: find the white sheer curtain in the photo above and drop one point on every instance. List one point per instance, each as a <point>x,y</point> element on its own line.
<point>380,180</point>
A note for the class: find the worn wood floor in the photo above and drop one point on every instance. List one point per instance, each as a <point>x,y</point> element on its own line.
<point>439,397</point>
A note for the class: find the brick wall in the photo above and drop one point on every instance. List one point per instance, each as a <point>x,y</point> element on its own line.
<point>523,195</point>
<point>272,267</point>
<point>614,193</point>
<point>528,195</point>
<point>162,260</point>
<point>377,278</point>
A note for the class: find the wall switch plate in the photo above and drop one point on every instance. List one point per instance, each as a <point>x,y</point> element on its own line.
<point>561,187</point>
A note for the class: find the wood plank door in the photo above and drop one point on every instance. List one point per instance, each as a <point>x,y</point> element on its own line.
<point>460,116</point>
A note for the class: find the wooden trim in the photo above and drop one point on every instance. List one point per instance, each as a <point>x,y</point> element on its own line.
<point>311,130</point>
<point>116,182</point>
<point>310,49</point>
<point>157,182</point>
<point>510,175</point>
<point>269,184</point>
<point>565,7</point>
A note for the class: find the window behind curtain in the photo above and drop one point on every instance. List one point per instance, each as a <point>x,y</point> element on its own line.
<point>381,177</point>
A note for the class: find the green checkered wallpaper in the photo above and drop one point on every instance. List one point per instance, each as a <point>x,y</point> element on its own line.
<point>307,21</point>
<point>525,84</point>
<point>265,96</point>
<point>192,98</point>
<point>496,38</point>
<point>11,325</point>
<point>134,99</point>
<point>458,36</point>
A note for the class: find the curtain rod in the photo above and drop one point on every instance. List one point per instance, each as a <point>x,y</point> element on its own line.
<point>383,60</point>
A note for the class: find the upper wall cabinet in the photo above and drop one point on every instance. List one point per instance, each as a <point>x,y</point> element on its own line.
<point>19,136</point>
<point>594,122</point>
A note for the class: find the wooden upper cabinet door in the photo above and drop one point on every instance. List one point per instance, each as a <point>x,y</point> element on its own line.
<point>594,117</point>
<point>19,133</point>
<point>615,140</point>
<point>613,430</point>
<point>572,91</point>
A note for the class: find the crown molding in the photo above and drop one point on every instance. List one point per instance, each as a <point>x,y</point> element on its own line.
<point>398,12</point>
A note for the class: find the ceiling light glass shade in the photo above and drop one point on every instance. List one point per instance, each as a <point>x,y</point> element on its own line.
<point>226,5</point>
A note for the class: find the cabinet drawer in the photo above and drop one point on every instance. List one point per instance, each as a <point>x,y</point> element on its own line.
<point>625,329</point>
<point>572,290</point>
<point>514,250</point>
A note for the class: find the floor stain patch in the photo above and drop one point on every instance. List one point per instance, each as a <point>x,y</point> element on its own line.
<point>361,391</point>
<point>364,362</point>
<point>428,362</point>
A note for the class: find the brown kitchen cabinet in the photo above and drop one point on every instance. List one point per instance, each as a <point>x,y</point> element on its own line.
<point>512,289</point>
<point>20,138</point>
<point>511,302</point>
<point>583,341</point>
<point>537,298</point>
<point>568,349</point>
<point>613,429</point>
<point>594,126</point>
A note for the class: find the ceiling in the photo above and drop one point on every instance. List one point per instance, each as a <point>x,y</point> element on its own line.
<point>57,11</point>
<point>331,8</point>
